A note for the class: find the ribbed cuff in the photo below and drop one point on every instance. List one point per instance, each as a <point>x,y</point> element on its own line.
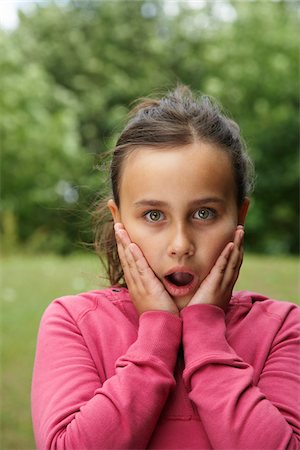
<point>159,336</point>
<point>203,328</point>
<point>204,339</point>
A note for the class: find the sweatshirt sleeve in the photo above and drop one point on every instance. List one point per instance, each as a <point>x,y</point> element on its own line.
<point>235,413</point>
<point>71,409</point>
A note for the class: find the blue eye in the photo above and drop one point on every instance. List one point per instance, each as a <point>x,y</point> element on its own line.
<point>204,214</point>
<point>154,216</point>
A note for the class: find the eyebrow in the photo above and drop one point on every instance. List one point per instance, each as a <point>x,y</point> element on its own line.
<point>160,203</point>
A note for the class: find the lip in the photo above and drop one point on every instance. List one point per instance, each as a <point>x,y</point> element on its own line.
<point>180,291</point>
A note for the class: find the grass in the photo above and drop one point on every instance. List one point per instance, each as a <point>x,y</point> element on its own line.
<point>29,283</point>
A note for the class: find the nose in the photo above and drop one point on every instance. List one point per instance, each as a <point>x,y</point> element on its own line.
<point>180,243</point>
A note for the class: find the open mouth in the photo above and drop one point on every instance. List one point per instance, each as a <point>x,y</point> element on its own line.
<point>180,278</point>
<point>180,282</point>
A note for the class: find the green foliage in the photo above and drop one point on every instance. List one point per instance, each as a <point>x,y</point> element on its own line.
<point>40,149</point>
<point>70,71</point>
<point>259,86</point>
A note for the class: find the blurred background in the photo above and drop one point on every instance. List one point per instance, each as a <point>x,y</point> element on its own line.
<point>69,71</point>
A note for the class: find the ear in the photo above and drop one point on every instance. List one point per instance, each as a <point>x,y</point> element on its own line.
<point>243,211</point>
<point>114,210</point>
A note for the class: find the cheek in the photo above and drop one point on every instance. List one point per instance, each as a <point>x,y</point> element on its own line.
<point>146,242</point>
<point>151,252</point>
<point>216,244</point>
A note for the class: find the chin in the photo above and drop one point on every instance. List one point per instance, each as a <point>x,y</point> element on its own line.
<point>182,302</point>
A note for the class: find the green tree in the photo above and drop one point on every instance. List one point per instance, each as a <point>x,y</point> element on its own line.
<point>40,150</point>
<point>70,72</point>
<point>250,63</point>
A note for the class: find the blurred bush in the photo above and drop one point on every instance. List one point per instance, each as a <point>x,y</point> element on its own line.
<point>69,72</point>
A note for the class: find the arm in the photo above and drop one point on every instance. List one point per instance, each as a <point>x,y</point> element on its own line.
<point>72,410</point>
<point>235,413</point>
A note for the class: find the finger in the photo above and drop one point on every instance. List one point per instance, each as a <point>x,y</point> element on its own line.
<point>121,242</point>
<point>126,258</point>
<point>123,236</point>
<point>222,261</point>
<point>144,276</point>
<point>131,271</point>
<point>235,260</point>
<point>138,267</point>
<point>239,238</point>
<point>142,266</point>
<point>125,242</point>
<point>124,261</point>
<point>152,286</point>
<point>131,257</point>
<point>118,226</point>
<point>237,249</point>
<point>240,245</point>
<point>138,256</point>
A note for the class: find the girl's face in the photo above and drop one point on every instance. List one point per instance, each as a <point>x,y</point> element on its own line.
<point>179,206</point>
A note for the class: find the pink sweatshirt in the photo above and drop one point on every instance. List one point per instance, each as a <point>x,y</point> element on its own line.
<point>106,379</point>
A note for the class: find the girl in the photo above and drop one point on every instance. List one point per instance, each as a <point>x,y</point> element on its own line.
<point>168,357</point>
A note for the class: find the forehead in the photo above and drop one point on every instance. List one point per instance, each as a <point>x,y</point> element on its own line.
<point>199,169</point>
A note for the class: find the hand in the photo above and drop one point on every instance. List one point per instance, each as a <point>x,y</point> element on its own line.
<point>146,290</point>
<point>216,288</point>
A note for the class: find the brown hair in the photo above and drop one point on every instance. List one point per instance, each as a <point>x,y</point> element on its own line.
<point>179,118</point>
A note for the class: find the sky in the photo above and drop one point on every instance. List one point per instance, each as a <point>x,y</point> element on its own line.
<point>9,11</point>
